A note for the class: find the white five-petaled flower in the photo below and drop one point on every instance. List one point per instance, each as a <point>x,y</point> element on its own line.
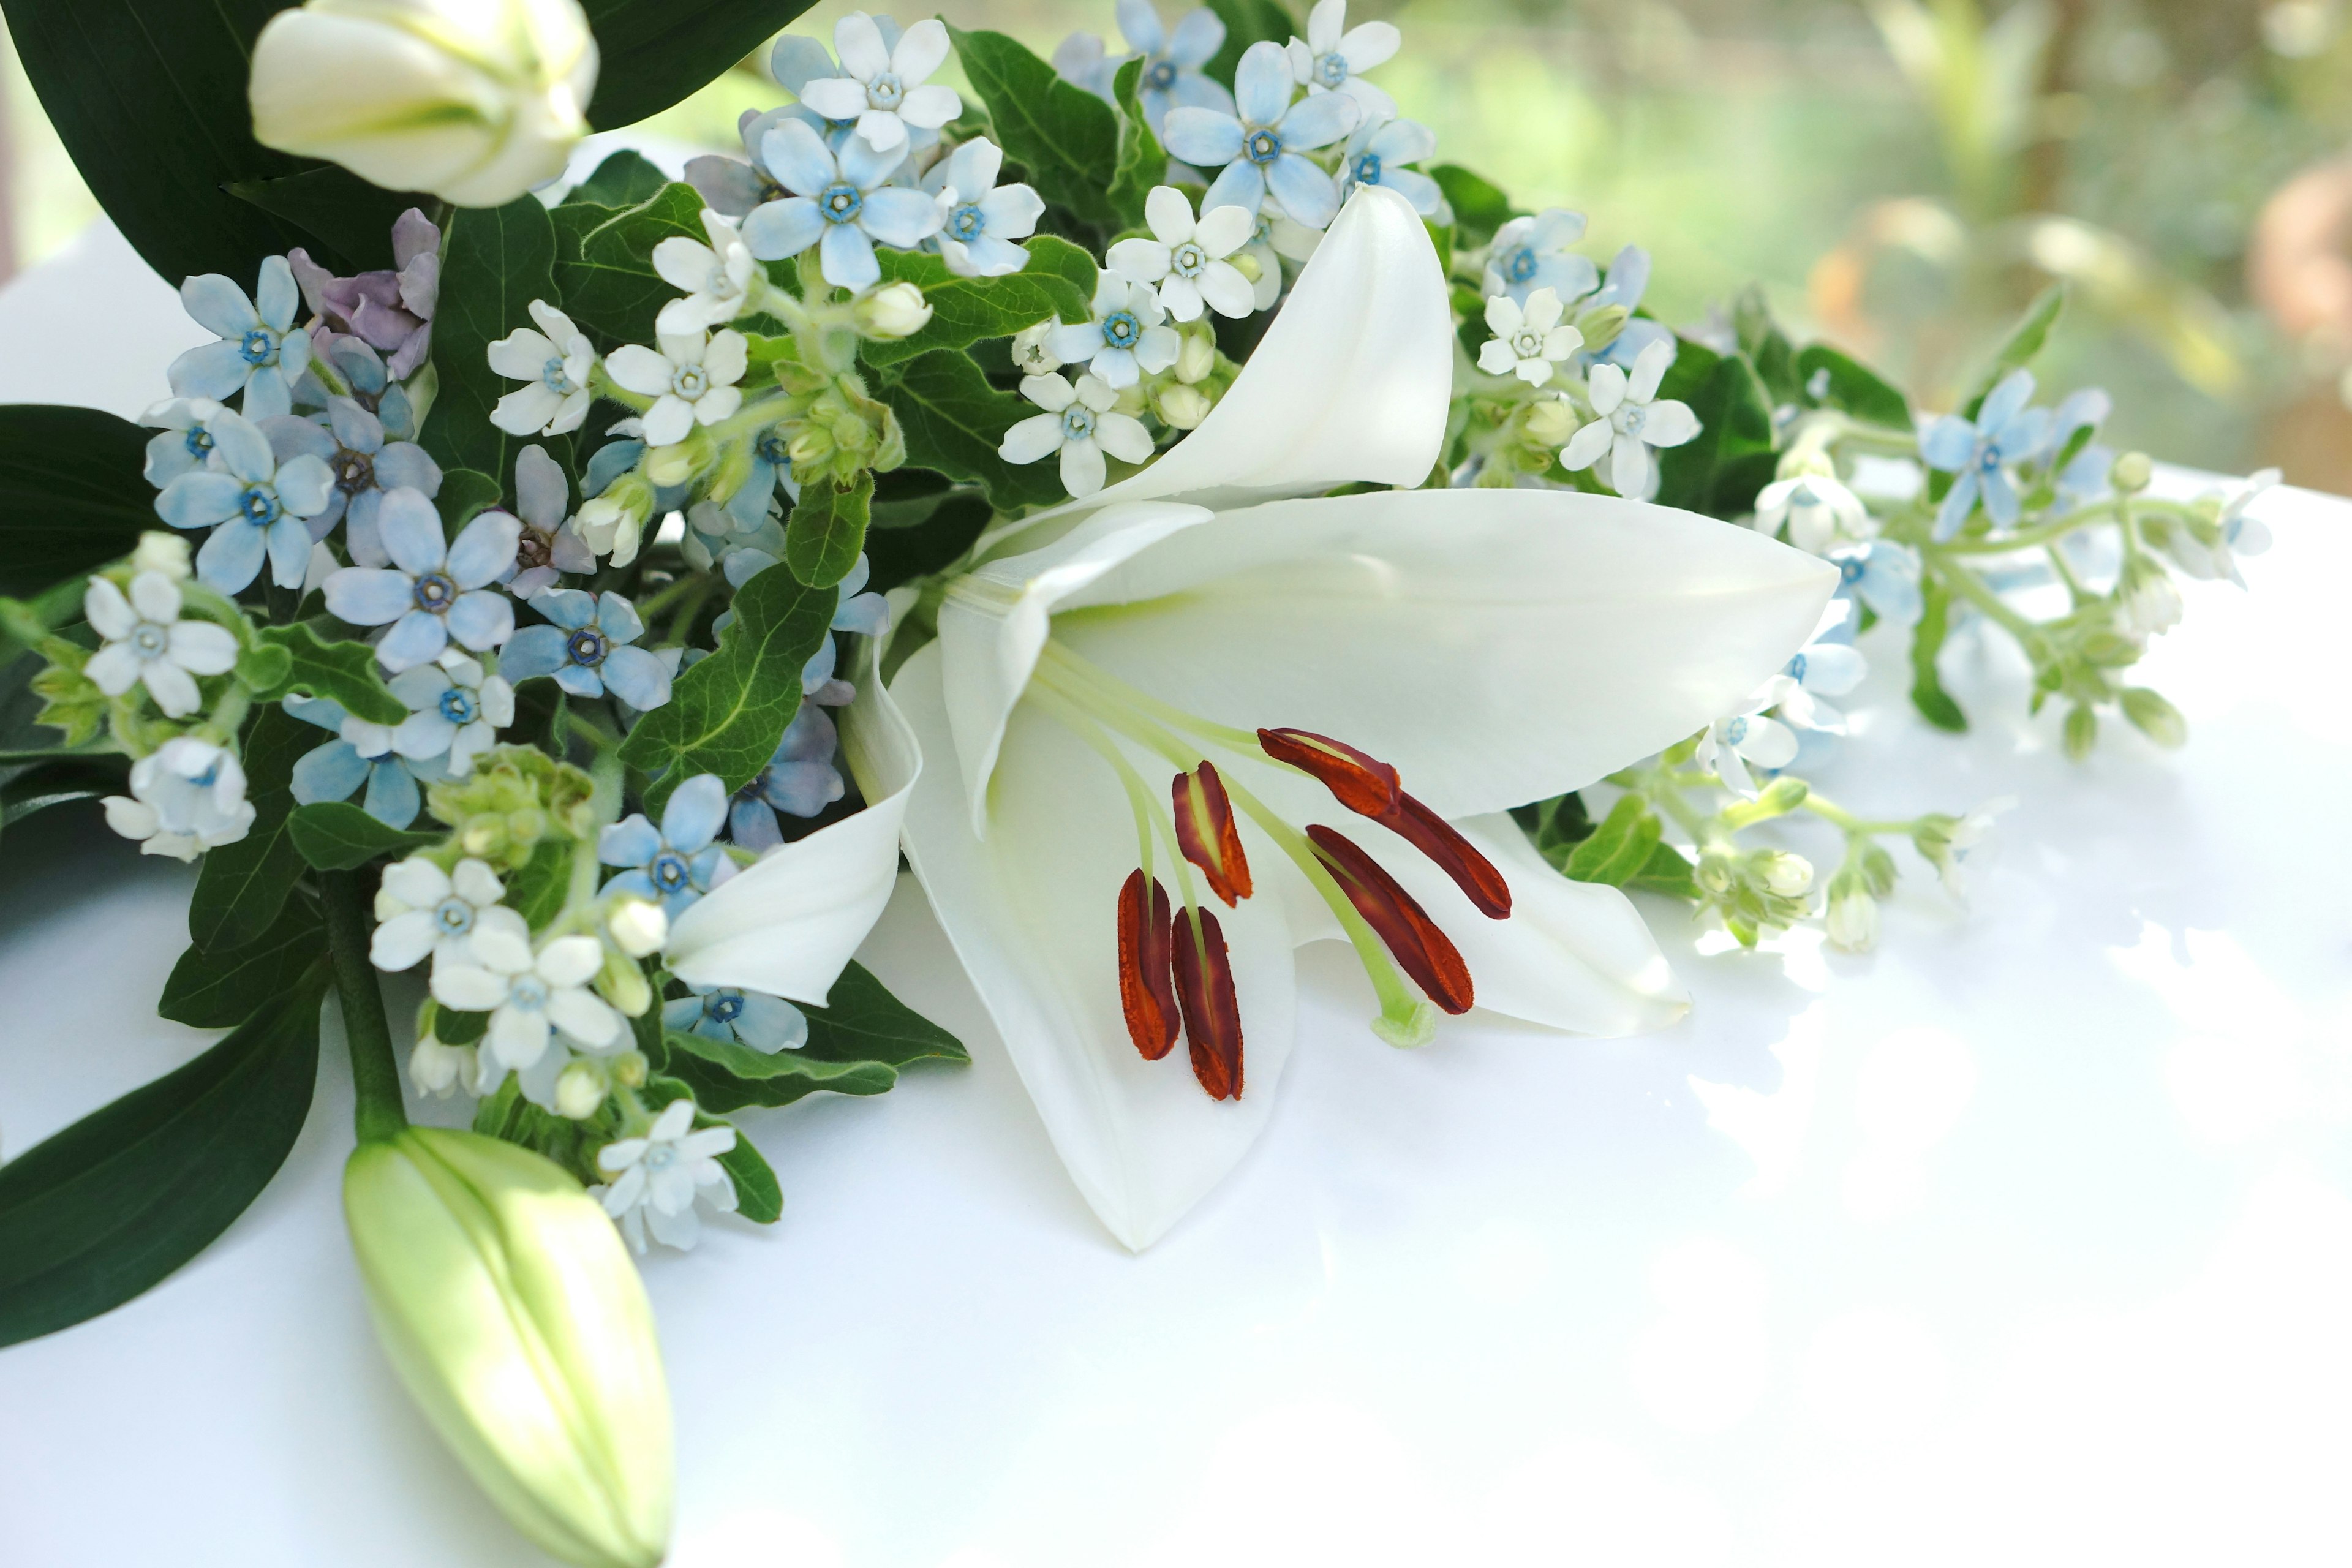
<point>456,711</point>
<point>885,89</point>
<point>1260,149</point>
<point>147,642</point>
<point>1727,747</point>
<point>1186,259</point>
<point>1333,56</point>
<point>1529,342</point>
<point>1628,421</point>
<point>422,911</point>
<point>691,380</point>
<point>1080,423</point>
<point>718,277</point>
<point>260,353</point>
<point>841,202</point>
<point>983,218</point>
<point>557,361</point>
<point>434,591</point>
<point>528,995</point>
<point>1815,513</point>
<point>186,796</point>
<point>657,1177</point>
<point>1128,333</point>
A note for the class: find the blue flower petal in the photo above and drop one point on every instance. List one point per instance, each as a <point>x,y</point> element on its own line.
<point>638,678</point>
<point>619,618</point>
<point>218,305</point>
<point>289,543</point>
<point>232,557</point>
<point>696,810</point>
<point>416,637</point>
<point>199,499</point>
<point>534,650</point>
<point>210,370</point>
<point>330,773</point>
<point>847,257</point>
<point>392,794</point>
<point>752,824</point>
<point>481,619</point>
<point>1240,185</point>
<point>579,681</point>
<point>632,841</point>
<point>484,550</point>
<point>771,1024</point>
<point>1204,137</point>
<point>411,531</point>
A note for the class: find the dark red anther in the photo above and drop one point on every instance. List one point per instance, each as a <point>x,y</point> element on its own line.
<point>1145,990</point>
<point>1435,837</point>
<point>1363,784</point>
<point>1212,1019</point>
<point>1404,928</point>
<point>1206,833</point>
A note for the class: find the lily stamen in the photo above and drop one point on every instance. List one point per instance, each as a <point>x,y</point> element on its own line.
<point>1207,834</point>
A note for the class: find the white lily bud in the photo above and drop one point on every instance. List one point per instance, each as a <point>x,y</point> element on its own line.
<point>165,553</point>
<point>510,1308</point>
<point>893,310</point>
<point>474,100</point>
<point>579,1091</point>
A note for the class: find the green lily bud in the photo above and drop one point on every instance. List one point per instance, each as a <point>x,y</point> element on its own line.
<point>517,1322</point>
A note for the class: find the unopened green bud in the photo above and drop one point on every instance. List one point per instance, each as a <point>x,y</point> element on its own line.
<point>511,1312</point>
<point>1601,327</point>
<point>165,553</point>
<point>629,1070</point>
<point>894,310</point>
<point>1182,407</point>
<point>1197,354</point>
<point>1789,875</point>
<point>2131,472</point>
<point>2082,732</point>
<point>1853,915</point>
<point>2154,717</point>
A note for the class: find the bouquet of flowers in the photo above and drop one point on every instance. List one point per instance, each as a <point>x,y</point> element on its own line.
<point>1149,490</point>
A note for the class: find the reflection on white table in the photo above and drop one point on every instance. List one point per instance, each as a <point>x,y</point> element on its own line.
<point>2026,1240</point>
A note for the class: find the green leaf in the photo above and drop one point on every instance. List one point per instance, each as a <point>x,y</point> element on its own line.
<point>759,1196</point>
<point>1246,22</point>
<point>494,262</point>
<point>658,52</point>
<point>1142,161</point>
<point>1927,693</point>
<point>71,494</point>
<point>341,672</point>
<point>621,180</point>
<point>106,1208</point>
<point>1853,387</point>
<point>219,988</point>
<point>1620,847</point>
<point>2025,341</point>
<point>61,781</point>
<point>1065,137</point>
<point>1479,207</point>
<point>954,421</point>
<point>1719,470</point>
<point>1767,347</point>
<point>1555,827</point>
<point>964,310</point>
<point>604,261</point>
<point>537,891</point>
<point>726,713</point>
<point>862,1021</point>
<point>336,836</point>
<point>242,886</point>
<point>856,1046</point>
<point>897,555</point>
<point>348,220</point>
<point>465,494</point>
<point>827,531</point>
<point>1667,871</point>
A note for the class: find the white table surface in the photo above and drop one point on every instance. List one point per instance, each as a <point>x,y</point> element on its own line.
<point>2026,1240</point>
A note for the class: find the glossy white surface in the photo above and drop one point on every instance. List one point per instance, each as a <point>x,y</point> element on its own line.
<point>2026,1240</point>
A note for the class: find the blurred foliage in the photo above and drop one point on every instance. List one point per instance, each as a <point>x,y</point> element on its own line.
<point>1900,176</point>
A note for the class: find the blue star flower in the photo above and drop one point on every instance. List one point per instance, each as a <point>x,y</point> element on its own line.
<point>434,591</point>
<point>259,354</point>
<point>800,780</point>
<point>1260,145</point>
<point>258,504</point>
<point>752,1018</point>
<point>362,754</point>
<point>676,863</point>
<point>1884,577</point>
<point>585,646</point>
<point>355,445</point>
<point>1532,253</point>
<point>2006,432</point>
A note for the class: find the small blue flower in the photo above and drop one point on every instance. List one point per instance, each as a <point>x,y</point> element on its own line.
<point>1532,253</point>
<point>1377,154</point>
<point>369,384</point>
<point>1334,57</point>
<point>840,203</point>
<point>2006,432</point>
<point>363,753</point>
<point>716,534</point>
<point>1883,575</point>
<point>258,504</point>
<point>259,354</point>
<point>434,591</point>
<point>181,444</point>
<point>1172,58</point>
<point>771,469</point>
<point>365,463</point>
<point>677,863</point>
<point>1627,280</point>
<point>1128,332</point>
<point>800,780</point>
<point>976,236</point>
<point>585,646</point>
<point>752,1018</point>
<point>1260,145</point>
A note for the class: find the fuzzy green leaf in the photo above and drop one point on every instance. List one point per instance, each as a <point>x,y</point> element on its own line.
<point>1618,849</point>
<point>494,262</point>
<point>349,220</point>
<point>2024,343</point>
<point>1065,137</point>
<point>242,886</point>
<point>954,421</point>
<point>604,261</point>
<point>622,180</point>
<point>464,495</point>
<point>341,672</point>
<point>1142,161</point>
<point>1719,470</point>
<point>827,531</point>
<point>759,1196</point>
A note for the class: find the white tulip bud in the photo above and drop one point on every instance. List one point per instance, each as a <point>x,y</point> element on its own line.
<point>165,553</point>
<point>474,100</point>
<point>893,310</point>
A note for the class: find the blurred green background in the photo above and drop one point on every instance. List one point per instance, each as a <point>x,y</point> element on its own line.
<point>1898,176</point>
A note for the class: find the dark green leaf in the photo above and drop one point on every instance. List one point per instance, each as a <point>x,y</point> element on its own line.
<point>827,531</point>
<point>621,180</point>
<point>604,261</point>
<point>1555,827</point>
<point>726,714</point>
<point>494,262</point>
<point>71,494</point>
<point>1479,209</point>
<point>657,52</point>
<point>60,782</point>
<point>219,988</point>
<point>1719,470</point>
<point>964,310</point>
<point>1065,137</point>
<point>1849,384</point>
<point>1142,161</point>
<point>452,1027</point>
<point>348,221</point>
<point>863,1022</point>
<point>1246,22</point>
<point>242,886</point>
<point>336,836</point>
<point>1927,693</point>
<point>537,890</point>
<point>856,1046</point>
<point>2024,342</point>
<point>341,672</point>
<point>465,494</point>
<point>897,555</point>
<point>110,1205</point>
<point>1620,847</point>
<point>759,1196</point>
<point>954,421</point>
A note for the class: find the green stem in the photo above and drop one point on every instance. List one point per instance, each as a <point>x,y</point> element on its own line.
<point>1971,587</point>
<point>378,1112</point>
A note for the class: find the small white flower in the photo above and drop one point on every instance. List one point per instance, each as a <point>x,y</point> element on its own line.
<point>1727,746</point>
<point>1821,668</point>
<point>1333,56</point>
<point>557,360</point>
<point>691,380</point>
<point>1628,422</point>
<point>147,643</point>
<point>1186,259</point>
<point>169,553</point>
<point>1128,334</point>
<point>579,1090</point>
<point>420,909</point>
<point>1531,253</point>
<point>2148,602</point>
<point>529,995</point>
<point>718,277</point>
<point>1530,340</point>
<point>1815,510</point>
<point>1947,841</point>
<point>657,1177</point>
<point>456,710</point>
<point>186,796</point>
<point>983,218</point>
<point>1853,919</point>
<point>1079,423</point>
<point>1033,350</point>
<point>893,310</point>
<point>438,1070</point>
<point>883,89</point>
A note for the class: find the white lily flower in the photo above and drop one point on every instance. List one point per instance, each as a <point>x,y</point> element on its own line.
<point>1481,648</point>
<point>1530,340</point>
<point>1629,420</point>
